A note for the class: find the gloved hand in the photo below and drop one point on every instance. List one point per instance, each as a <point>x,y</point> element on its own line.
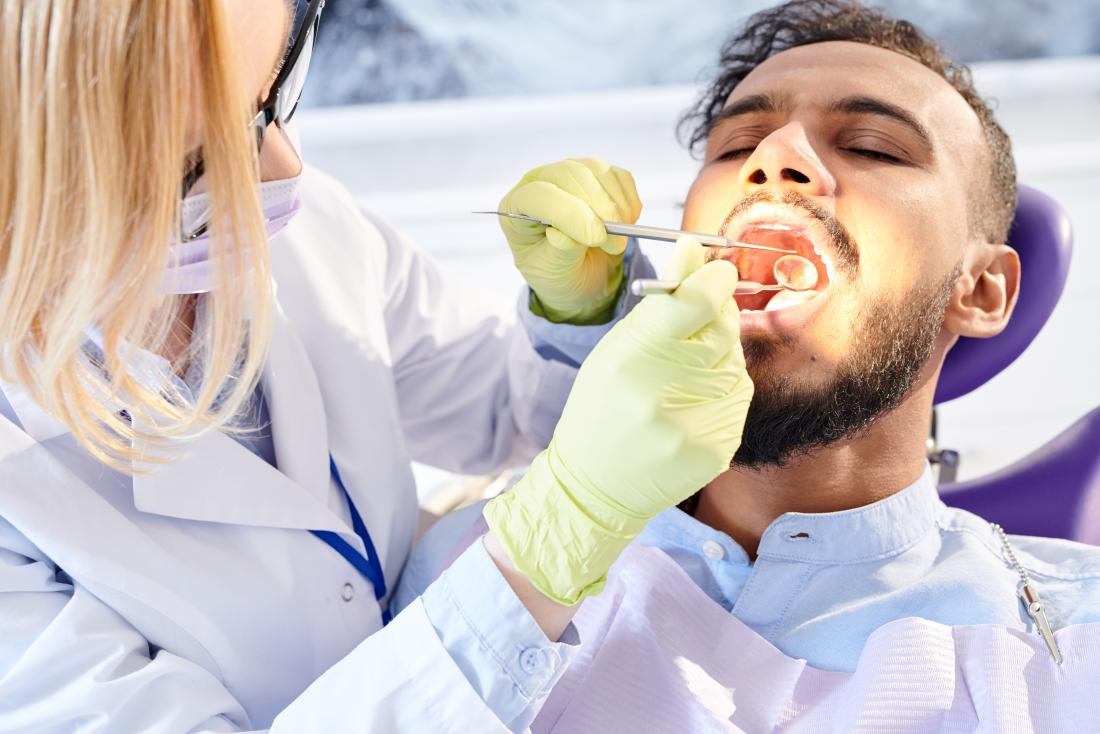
<point>655,414</point>
<point>574,268</point>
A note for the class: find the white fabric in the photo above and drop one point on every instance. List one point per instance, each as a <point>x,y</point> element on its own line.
<point>659,655</point>
<point>193,599</point>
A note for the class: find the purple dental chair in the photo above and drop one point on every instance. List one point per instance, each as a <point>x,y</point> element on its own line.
<point>1055,491</point>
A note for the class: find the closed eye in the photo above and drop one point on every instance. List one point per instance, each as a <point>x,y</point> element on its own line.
<point>730,155</point>
<point>876,155</point>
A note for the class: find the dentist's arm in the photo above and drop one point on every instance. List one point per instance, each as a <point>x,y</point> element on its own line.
<point>656,412</point>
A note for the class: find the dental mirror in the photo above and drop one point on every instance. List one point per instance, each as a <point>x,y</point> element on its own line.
<point>792,273</point>
<point>795,273</point>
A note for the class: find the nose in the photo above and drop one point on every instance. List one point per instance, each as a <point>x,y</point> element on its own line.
<point>786,161</point>
<point>279,155</point>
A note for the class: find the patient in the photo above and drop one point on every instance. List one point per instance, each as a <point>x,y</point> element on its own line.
<point>848,136</point>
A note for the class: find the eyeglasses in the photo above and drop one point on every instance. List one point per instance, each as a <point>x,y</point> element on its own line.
<point>286,91</point>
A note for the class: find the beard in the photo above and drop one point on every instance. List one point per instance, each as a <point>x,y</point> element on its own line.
<point>895,340</point>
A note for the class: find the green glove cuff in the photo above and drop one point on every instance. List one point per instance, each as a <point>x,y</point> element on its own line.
<point>564,549</point>
<point>600,311</point>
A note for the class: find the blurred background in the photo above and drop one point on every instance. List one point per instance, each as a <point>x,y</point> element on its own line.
<point>428,109</point>
<point>403,50</point>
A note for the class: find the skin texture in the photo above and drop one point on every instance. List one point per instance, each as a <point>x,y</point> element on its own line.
<point>261,29</point>
<point>910,221</point>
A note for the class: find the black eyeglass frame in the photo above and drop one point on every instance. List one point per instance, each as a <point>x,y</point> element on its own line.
<point>269,108</point>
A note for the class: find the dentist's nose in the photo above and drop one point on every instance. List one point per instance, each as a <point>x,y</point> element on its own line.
<point>786,161</point>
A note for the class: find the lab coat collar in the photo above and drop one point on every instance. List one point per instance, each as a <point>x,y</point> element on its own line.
<point>221,481</point>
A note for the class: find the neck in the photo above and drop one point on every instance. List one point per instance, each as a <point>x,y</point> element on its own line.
<point>883,460</point>
<point>179,337</point>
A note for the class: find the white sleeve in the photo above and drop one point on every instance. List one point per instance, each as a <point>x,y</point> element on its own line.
<point>474,394</point>
<point>401,679</point>
<point>68,662</point>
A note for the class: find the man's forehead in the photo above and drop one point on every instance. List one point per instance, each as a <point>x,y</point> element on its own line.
<point>820,73</point>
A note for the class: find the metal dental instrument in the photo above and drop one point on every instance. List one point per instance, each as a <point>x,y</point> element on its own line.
<point>655,233</point>
<point>792,273</point>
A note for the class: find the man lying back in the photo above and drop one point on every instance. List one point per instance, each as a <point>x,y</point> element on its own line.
<point>849,137</point>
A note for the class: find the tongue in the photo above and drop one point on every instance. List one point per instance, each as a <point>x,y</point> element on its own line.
<point>786,299</point>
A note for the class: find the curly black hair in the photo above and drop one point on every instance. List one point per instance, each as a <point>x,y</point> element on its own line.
<point>803,22</point>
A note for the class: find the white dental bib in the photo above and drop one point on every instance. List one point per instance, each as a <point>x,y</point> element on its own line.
<point>658,655</point>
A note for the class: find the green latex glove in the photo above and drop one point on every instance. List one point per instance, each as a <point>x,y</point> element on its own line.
<point>574,268</point>
<point>655,414</point>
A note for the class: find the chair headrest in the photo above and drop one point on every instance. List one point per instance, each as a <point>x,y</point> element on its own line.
<point>1042,236</point>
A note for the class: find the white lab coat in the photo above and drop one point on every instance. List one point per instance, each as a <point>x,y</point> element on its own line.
<point>194,600</point>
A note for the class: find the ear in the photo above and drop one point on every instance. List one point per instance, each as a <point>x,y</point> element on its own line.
<point>985,293</point>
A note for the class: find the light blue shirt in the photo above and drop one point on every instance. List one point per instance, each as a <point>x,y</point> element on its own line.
<point>820,585</point>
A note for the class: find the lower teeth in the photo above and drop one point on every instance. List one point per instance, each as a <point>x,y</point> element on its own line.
<point>786,299</point>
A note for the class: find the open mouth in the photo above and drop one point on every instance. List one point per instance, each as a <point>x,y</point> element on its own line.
<point>758,265</point>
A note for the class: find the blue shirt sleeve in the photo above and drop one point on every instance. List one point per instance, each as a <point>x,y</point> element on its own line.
<point>571,344</point>
<point>494,640</point>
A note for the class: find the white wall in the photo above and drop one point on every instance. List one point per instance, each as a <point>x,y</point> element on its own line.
<point>425,166</point>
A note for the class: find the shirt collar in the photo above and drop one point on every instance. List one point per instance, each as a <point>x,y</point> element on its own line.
<point>871,532</point>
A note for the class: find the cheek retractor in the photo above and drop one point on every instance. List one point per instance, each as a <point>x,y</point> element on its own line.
<point>792,273</point>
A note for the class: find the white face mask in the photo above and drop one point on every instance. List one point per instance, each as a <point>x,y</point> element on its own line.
<point>189,265</point>
<point>190,268</point>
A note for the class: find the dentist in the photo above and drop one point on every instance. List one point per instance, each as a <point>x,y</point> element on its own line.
<point>205,489</point>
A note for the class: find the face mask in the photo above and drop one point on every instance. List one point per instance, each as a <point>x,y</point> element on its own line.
<point>190,268</point>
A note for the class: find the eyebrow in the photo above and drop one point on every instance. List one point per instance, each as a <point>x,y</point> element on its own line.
<point>754,103</point>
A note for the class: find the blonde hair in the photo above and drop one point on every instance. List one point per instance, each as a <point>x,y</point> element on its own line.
<point>97,97</point>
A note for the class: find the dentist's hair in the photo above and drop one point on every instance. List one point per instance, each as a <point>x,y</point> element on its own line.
<point>97,101</point>
<point>804,22</point>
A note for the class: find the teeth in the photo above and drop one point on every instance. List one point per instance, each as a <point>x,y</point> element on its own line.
<point>786,299</point>
<point>824,258</point>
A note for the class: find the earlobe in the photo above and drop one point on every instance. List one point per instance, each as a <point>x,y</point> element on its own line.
<point>985,293</point>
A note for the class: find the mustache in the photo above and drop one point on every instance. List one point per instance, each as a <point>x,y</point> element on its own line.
<point>844,245</point>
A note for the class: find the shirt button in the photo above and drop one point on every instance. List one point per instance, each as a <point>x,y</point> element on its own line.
<point>713,550</point>
<point>348,592</point>
<point>532,660</point>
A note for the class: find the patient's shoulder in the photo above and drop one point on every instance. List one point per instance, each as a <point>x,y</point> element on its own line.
<point>1066,574</point>
<point>1057,558</point>
<point>1052,557</point>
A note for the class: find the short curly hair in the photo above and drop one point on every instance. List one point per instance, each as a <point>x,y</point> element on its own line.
<point>804,22</point>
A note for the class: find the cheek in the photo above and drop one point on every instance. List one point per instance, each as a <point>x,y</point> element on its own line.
<point>904,234</point>
<point>709,199</point>
<point>278,159</point>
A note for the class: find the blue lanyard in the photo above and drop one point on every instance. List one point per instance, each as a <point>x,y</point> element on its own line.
<point>369,567</point>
